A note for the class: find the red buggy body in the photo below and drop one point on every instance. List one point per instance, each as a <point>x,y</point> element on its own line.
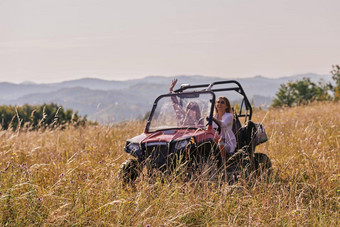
<point>169,137</point>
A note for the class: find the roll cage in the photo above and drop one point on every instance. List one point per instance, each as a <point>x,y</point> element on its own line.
<point>192,90</point>
<point>236,87</point>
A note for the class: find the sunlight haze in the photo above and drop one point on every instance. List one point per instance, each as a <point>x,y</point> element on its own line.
<point>52,41</point>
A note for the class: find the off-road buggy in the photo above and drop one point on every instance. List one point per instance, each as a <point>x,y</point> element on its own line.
<point>167,143</point>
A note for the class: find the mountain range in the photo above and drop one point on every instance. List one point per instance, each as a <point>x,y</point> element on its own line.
<point>109,101</point>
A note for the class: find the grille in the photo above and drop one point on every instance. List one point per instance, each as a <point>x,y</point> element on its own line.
<point>157,155</point>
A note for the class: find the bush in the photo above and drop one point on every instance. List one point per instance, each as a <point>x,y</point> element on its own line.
<point>39,116</point>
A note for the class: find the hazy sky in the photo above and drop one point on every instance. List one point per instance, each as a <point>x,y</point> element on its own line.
<point>56,40</point>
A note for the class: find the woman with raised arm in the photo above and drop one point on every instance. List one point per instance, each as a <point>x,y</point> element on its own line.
<point>223,115</point>
<point>191,116</point>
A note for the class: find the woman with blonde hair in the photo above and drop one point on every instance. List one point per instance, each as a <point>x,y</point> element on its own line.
<point>224,116</point>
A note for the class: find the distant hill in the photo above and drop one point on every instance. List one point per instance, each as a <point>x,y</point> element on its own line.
<point>113,101</point>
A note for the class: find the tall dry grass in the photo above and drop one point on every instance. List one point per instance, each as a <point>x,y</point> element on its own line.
<point>69,177</point>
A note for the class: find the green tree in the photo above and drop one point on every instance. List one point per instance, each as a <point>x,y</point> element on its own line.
<point>336,76</point>
<point>301,92</point>
<point>284,97</point>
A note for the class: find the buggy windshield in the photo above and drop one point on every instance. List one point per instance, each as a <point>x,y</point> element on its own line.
<point>184,110</point>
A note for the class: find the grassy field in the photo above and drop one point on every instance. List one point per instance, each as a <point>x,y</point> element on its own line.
<point>69,178</point>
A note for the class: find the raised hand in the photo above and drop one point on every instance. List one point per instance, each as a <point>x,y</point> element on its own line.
<point>173,83</point>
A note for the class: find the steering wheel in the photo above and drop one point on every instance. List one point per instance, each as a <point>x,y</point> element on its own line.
<point>201,121</point>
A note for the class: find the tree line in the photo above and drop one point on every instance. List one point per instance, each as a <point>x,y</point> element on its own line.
<point>38,116</point>
<point>304,91</point>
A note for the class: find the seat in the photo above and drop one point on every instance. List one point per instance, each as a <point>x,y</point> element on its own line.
<point>237,130</point>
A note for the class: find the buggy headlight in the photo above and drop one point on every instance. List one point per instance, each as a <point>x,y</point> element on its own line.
<point>132,148</point>
<point>181,144</point>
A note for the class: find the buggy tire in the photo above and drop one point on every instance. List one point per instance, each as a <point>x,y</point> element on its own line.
<point>263,165</point>
<point>129,170</point>
<point>238,165</point>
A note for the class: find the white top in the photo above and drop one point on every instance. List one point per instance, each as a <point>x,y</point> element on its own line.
<point>227,129</point>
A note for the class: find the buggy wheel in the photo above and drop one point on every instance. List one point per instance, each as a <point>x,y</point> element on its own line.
<point>238,166</point>
<point>129,170</point>
<point>263,165</point>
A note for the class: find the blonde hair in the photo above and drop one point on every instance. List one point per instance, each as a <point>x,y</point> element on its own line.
<point>228,108</point>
